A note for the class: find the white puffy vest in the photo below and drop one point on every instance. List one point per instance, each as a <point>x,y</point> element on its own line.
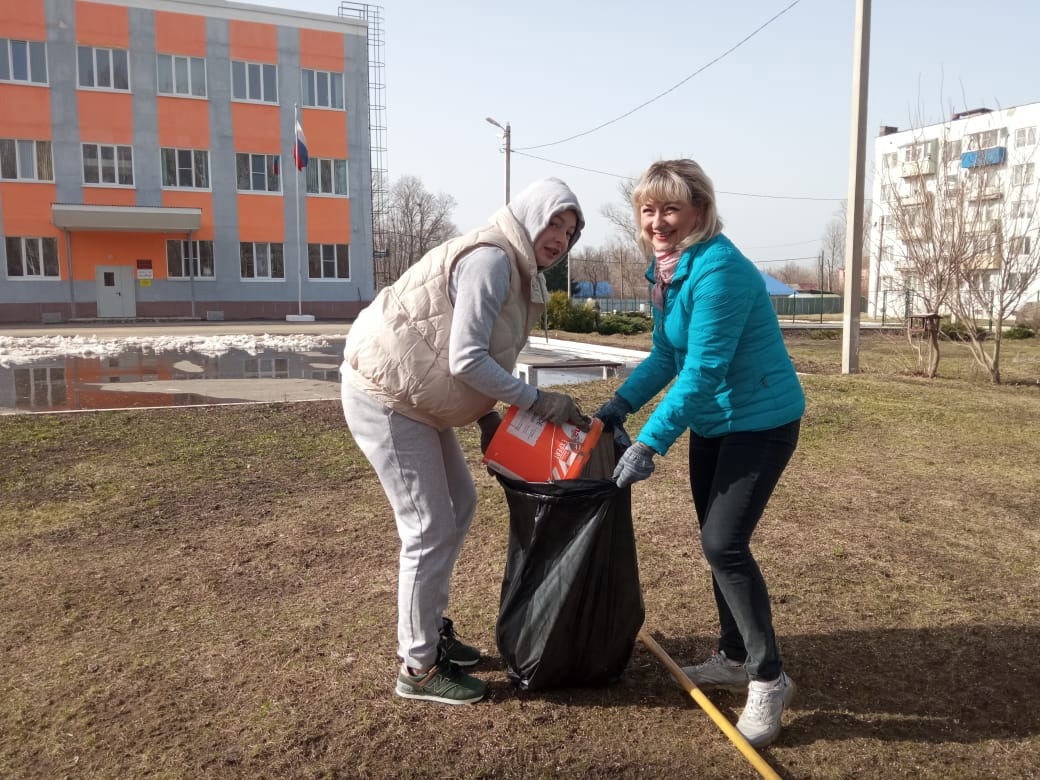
<point>397,348</point>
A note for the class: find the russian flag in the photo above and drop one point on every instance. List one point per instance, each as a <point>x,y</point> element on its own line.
<point>299,153</point>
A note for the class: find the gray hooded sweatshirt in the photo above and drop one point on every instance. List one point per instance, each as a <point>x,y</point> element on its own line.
<point>480,283</point>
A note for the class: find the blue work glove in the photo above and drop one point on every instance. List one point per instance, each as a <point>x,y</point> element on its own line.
<point>635,464</point>
<point>488,426</point>
<point>614,412</point>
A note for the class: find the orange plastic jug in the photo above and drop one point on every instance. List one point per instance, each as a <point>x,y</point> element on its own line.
<point>529,448</point>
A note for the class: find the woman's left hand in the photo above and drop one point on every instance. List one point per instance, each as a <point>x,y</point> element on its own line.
<point>635,464</point>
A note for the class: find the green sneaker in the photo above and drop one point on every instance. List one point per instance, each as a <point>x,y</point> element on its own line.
<point>459,653</point>
<point>444,683</point>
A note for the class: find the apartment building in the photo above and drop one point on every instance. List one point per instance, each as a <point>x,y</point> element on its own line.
<point>148,161</point>
<point>966,188</point>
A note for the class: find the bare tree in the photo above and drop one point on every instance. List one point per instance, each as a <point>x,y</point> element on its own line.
<point>621,215</point>
<point>966,235</point>
<point>590,264</point>
<point>832,254</point>
<point>417,220</point>
<point>792,273</point>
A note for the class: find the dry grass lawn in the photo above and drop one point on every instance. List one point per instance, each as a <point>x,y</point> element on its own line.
<point>210,593</point>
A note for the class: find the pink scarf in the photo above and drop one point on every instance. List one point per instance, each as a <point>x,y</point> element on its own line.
<point>664,270</point>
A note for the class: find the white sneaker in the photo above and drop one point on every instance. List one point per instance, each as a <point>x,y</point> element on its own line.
<point>719,672</point>
<point>766,701</point>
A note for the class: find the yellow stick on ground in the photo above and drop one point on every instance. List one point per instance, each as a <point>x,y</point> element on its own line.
<point>727,728</point>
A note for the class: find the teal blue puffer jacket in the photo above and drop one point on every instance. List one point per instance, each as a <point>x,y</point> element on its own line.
<point>719,338</point>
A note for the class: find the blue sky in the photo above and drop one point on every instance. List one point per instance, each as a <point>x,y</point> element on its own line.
<point>770,118</point>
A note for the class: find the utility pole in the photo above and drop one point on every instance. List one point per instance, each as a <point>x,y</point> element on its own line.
<point>857,169</point>
<point>507,136</point>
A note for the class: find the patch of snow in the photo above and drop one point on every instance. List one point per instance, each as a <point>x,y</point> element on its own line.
<point>20,350</point>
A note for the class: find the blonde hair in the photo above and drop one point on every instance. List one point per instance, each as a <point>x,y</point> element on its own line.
<point>678,181</point>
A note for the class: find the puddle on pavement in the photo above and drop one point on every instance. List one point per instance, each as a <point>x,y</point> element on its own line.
<point>141,377</point>
<point>144,378</point>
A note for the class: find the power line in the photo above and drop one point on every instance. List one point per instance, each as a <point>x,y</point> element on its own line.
<point>719,192</point>
<point>701,69</point>
<point>778,246</point>
<point>786,260</point>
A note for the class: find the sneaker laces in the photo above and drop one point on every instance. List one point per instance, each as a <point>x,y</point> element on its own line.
<point>758,700</point>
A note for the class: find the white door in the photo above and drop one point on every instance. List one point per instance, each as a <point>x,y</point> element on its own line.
<point>115,291</point>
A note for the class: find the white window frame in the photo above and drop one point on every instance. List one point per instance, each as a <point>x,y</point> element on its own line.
<point>1020,245</point>
<point>242,88</point>
<point>120,154</point>
<point>265,161</point>
<point>192,88</point>
<point>1025,136</point>
<point>204,267</point>
<point>1022,175</point>
<point>179,167</point>
<point>322,89</point>
<point>269,248</point>
<point>23,257</point>
<point>984,139</point>
<point>109,57</point>
<point>8,49</point>
<point>27,154</point>
<point>322,179</point>
<point>323,255</point>
<point>1023,209</point>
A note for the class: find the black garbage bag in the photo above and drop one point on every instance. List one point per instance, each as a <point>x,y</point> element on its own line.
<point>571,604</point>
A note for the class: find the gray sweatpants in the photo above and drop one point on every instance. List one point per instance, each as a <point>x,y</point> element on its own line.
<point>431,490</point>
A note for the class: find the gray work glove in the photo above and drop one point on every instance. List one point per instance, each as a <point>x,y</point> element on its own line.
<point>488,425</point>
<point>635,464</point>
<point>614,412</point>
<point>558,408</point>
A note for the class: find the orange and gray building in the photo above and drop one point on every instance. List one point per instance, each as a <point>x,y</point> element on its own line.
<point>147,167</point>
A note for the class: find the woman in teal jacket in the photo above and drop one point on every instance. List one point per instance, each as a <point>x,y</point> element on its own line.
<point>736,391</point>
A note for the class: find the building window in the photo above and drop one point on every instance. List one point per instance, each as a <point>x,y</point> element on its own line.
<point>1021,245</point>
<point>185,168</point>
<point>108,164</point>
<point>27,160</point>
<point>201,259</point>
<point>326,177</point>
<point>328,261</point>
<point>1022,209</point>
<point>952,150</point>
<point>23,61</point>
<point>1025,136</point>
<point>254,81</point>
<point>1021,175</point>
<point>261,260</point>
<point>103,68</point>
<point>983,140</point>
<point>180,75</point>
<point>39,387</point>
<point>322,88</point>
<point>258,172</point>
<point>32,258</point>
<point>890,159</point>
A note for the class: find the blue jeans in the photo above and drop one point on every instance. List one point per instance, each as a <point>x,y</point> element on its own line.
<point>732,478</point>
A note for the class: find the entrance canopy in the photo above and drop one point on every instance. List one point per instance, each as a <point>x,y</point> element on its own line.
<point>138,219</point>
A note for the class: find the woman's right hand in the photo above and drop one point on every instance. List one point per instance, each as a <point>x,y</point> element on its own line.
<point>614,412</point>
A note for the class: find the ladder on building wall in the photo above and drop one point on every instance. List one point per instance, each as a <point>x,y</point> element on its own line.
<point>373,16</point>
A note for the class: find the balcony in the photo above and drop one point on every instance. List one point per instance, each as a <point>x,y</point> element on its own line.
<point>925,167</point>
<point>994,155</point>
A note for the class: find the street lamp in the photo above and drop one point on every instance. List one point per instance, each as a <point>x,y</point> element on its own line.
<point>506,135</point>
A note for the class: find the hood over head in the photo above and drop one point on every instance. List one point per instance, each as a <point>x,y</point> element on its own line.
<point>540,201</point>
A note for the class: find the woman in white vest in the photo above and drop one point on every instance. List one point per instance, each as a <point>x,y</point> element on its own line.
<point>434,351</point>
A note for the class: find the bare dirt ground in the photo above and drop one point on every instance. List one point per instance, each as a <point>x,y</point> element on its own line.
<point>210,593</point>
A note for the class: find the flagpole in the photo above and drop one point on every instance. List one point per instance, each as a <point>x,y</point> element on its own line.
<point>299,236</point>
